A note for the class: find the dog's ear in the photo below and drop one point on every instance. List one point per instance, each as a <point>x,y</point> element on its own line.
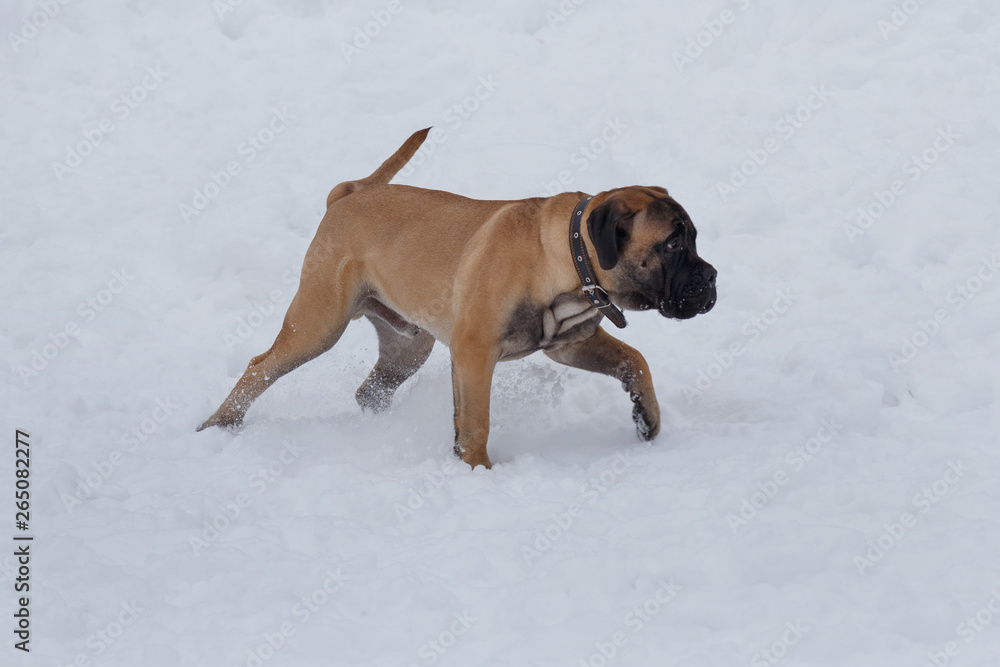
<point>610,225</point>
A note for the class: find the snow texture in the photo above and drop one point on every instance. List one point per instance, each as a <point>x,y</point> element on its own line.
<point>824,490</point>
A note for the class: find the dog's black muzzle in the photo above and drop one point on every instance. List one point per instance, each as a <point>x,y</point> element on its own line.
<point>694,294</point>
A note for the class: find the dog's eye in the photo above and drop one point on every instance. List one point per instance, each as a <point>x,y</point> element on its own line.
<point>674,243</point>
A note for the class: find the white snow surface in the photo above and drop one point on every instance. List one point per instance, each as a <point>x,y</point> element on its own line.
<point>827,496</point>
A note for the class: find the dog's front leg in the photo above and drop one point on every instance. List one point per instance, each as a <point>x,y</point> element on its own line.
<point>603,353</point>
<point>472,362</point>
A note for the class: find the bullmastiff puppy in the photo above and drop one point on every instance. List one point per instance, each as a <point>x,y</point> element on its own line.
<point>492,280</point>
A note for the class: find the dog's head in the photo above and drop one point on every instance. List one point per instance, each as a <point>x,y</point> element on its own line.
<point>645,244</point>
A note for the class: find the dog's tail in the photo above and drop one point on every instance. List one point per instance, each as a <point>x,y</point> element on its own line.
<point>383,174</point>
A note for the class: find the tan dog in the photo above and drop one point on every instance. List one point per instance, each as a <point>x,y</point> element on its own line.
<point>493,280</point>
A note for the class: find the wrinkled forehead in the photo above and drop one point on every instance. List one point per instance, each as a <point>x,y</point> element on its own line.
<point>665,211</point>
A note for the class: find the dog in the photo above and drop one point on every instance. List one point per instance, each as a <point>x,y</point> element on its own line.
<point>493,280</point>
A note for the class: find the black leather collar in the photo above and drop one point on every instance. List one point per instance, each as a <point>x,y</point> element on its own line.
<point>581,260</point>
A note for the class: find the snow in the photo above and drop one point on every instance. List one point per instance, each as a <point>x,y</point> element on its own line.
<point>842,395</point>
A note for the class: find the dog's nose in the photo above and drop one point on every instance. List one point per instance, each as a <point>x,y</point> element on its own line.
<point>709,273</point>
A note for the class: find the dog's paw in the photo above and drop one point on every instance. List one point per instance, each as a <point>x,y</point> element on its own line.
<point>473,458</point>
<point>232,427</point>
<point>374,396</point>
<point>647,422</point>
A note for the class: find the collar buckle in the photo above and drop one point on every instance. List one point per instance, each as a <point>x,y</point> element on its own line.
<point>597,292</point>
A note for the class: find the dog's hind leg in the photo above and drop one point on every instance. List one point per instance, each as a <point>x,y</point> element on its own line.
<point>315,320</point>
<point>399,357</point>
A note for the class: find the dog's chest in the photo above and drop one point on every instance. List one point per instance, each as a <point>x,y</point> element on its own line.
<point>568,319</point>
